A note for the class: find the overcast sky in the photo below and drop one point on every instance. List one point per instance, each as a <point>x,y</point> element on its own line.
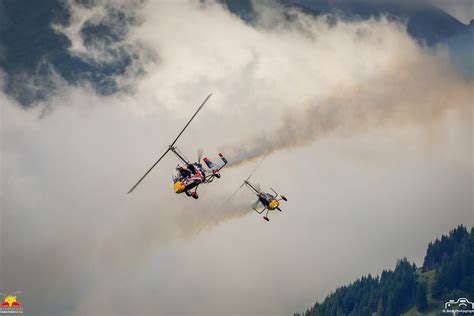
<point>368,134</point>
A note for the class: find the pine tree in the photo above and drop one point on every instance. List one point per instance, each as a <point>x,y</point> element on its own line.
<point>380,308</point>
<point>398,290</point>
<point>421,299</point>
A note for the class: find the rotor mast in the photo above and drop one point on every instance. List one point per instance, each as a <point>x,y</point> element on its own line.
<point>179,154</point>
<point>250,185</point>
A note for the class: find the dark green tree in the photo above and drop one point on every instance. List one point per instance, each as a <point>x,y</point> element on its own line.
<point>395,292</point>
<point>421,299</point>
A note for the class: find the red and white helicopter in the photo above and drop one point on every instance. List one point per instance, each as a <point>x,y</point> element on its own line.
<point>191,174</point>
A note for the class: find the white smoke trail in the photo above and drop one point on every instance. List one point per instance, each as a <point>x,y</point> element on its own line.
<point>398,96</point>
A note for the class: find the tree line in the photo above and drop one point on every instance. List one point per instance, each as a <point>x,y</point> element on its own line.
<point>395,292</point>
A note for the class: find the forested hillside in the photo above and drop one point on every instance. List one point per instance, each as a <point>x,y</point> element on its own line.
<point>447,273</point>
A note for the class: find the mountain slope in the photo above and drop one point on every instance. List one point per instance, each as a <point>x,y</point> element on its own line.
<point>425,22</point>
<point>37,59</point>
<point>447,273</point>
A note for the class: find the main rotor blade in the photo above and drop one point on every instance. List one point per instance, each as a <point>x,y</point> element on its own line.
<point>136,184</point>
<point>256,167</point>
<point>199,109</point>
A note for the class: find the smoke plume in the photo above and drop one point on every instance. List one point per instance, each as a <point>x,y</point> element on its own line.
<point>417,90</point>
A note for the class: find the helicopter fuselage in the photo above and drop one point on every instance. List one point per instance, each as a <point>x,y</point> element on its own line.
<point>189,177</point>
<point>193,174</point>
<point>268,200</point>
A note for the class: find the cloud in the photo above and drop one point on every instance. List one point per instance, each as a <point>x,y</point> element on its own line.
<point>393,150</point>
<point>98,34</point>
<point>86,25</point>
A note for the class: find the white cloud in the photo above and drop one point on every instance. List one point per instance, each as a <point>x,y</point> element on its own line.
<point>116,16</point>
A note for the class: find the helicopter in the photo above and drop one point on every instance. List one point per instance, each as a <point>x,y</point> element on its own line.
<point>191,174</point>
<point>269,201</point>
